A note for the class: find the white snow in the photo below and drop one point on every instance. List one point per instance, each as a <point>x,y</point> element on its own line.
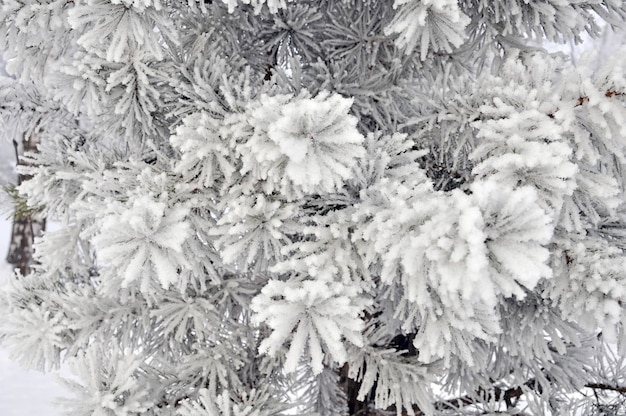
<point>22,392</point>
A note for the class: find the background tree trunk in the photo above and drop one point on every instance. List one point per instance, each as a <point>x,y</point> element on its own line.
<point>26,226</point>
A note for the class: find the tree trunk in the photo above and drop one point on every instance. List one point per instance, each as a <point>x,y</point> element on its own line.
<point>25,226</point>
<point>365,408</point>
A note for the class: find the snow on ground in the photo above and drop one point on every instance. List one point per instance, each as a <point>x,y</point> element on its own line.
<point>26,393</point>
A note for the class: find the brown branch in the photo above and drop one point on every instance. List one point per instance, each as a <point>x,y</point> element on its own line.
<point>604,386</point>
<point>510,395</point>
<point>497,394</point>
<point>609,94</point>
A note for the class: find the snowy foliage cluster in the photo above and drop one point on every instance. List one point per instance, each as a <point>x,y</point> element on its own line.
<point>339,205</point>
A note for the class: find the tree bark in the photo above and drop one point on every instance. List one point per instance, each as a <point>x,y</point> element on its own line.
<point>25,226</point>
<point>351,388</point>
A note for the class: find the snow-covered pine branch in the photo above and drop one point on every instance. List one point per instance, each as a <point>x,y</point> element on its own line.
<point>335,206</point>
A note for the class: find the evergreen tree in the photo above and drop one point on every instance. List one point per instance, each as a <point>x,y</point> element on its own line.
<point>347,206</point>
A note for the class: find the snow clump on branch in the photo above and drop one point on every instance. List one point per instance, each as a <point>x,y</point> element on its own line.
<point>308,144</point>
